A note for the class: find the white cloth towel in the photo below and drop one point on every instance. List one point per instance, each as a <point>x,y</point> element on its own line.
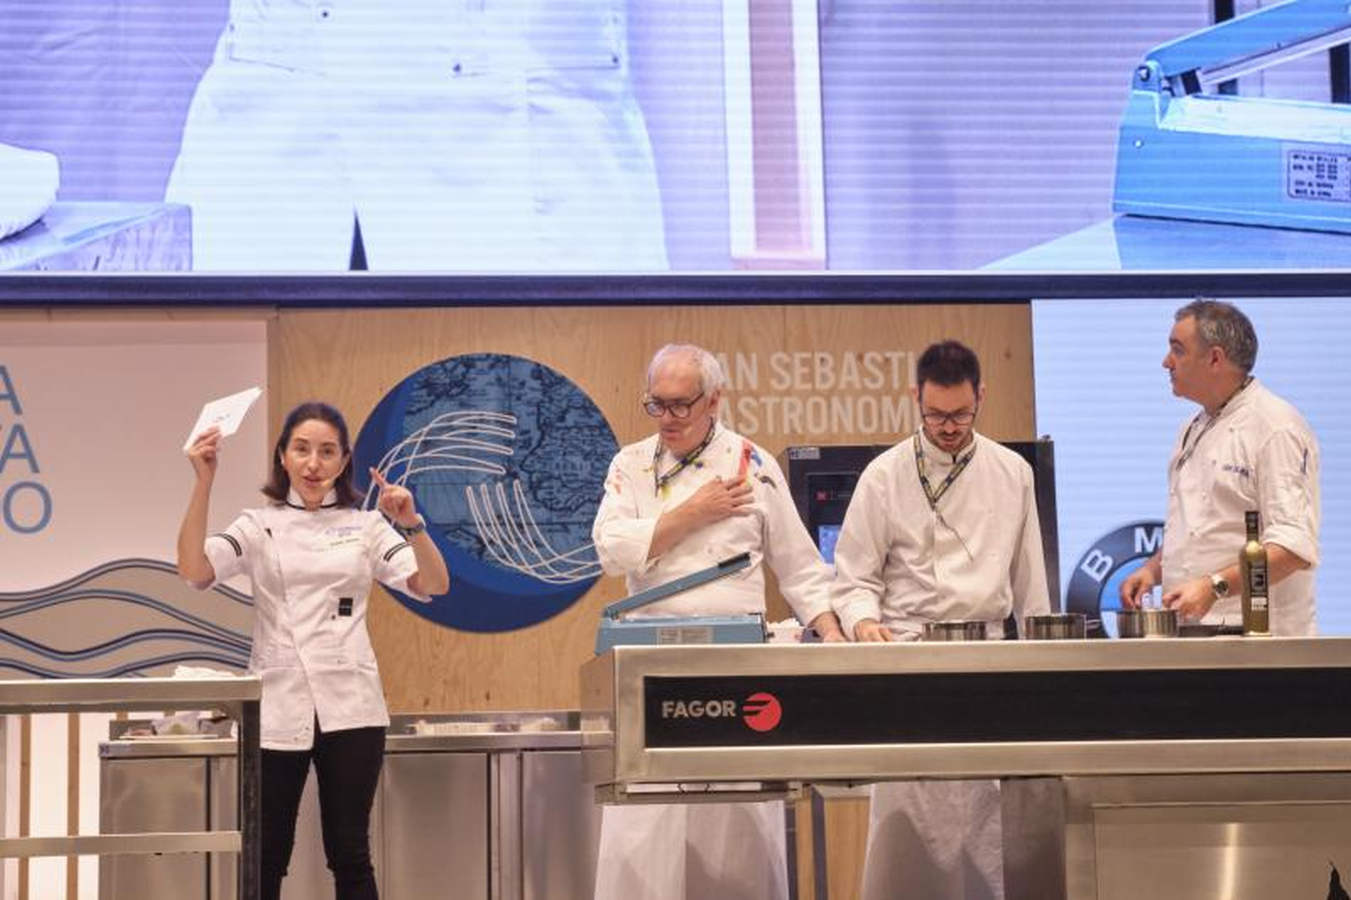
<point>28,183</point>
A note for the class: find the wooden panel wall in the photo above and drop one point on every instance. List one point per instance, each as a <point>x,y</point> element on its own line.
<point>782,358</point>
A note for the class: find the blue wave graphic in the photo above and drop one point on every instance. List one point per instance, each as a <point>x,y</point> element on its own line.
<point>123,617</point>
<point>144,668</point>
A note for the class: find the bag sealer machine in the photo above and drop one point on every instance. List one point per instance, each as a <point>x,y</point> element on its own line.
<point>652,630</point>
<point>1187,151</point>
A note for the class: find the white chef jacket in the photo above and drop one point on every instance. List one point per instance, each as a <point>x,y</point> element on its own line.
<point>773,533</point>
<point>896,562</point>
<point>488,136</point>
<point>1259,454</point>
<point>672,852</point>
<point>311,572</point>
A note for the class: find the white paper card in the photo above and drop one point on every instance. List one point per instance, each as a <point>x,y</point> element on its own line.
<point>226,414</point>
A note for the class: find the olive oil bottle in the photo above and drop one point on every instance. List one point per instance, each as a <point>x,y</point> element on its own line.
<point>1252,566</point>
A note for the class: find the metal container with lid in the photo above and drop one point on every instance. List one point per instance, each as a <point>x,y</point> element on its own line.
<point>1146,623</point>
<point>1055,627</point>
<point>955,630</point>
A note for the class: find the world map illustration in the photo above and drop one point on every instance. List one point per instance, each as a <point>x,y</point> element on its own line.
<point>506,459</point>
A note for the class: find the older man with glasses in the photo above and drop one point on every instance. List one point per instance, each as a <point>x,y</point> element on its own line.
<point>679,501</point>
<point>941,526</point>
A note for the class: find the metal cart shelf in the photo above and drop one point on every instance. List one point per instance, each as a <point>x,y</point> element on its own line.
<point>237,697</point>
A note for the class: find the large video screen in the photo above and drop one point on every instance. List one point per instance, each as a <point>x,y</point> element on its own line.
<point>603,135</point>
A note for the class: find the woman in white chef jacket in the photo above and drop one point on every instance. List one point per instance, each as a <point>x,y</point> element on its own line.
<point>311,555</point>
<point>488,136</point>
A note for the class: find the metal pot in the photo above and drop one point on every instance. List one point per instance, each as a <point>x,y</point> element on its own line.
<point>1146,623</point>
<point>955,630</point>
<point>1055,627</point>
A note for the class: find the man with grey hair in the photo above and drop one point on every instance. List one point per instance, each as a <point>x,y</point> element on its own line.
<point>676,502</point>
<point>1247,449</point>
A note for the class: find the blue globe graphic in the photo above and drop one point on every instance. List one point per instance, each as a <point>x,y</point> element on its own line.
<point>506,459</point>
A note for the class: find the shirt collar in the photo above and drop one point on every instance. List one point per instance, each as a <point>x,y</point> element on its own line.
<point>1237,399</point>
<point>293,500</point>
<point>1241,398</point>
<point>664,453</point>
<point>934,455</point>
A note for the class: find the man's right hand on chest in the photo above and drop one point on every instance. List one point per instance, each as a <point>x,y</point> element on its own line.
<point>713,502</point>
<point>717,500</point>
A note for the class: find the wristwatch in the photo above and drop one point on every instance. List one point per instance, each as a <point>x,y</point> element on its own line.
<point>1219,585</point>
<point>410,530</point>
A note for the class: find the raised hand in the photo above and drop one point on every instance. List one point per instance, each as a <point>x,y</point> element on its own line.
<point>395,501</point>
<point>203,451</point>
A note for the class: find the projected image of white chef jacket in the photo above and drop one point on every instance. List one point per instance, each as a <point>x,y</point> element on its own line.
<point>1259,454</point>
<point>772,534</point>
<point>489,136</point>
<point>897,562</point>
<point>311,572</point>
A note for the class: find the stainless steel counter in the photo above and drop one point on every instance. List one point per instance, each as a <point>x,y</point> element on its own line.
<point>122,746</point>
<point>238,697</point>
<point>846,713</point>
<point>496,809</point>
<point>1171,769</point>
<point>1176,837</point>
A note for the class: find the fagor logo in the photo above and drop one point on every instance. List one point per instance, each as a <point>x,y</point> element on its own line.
<point>760,711</point>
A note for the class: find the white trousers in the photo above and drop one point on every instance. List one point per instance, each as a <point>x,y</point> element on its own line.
<point>504,171</point>
<point>697,851</point>
<point>934,840</point>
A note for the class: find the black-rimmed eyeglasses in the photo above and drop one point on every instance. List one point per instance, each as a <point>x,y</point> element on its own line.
<point>680,409</point>
<point>939,419</point>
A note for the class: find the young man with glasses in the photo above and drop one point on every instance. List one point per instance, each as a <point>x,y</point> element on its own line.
<point>941,526</point>
<point>677,502</point>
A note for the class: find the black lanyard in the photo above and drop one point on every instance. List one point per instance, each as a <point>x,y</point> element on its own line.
<point>659,482</point>
<point>1187,452</point>
<point>958,467</point>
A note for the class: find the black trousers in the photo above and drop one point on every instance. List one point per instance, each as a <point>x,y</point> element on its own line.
<point>347,764</point>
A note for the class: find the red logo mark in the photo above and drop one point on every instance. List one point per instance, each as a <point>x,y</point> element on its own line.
<point>762,711</point>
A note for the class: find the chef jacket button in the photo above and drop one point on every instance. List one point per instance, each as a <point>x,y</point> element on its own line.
<point>456,68</point>
<point>325,12</point>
